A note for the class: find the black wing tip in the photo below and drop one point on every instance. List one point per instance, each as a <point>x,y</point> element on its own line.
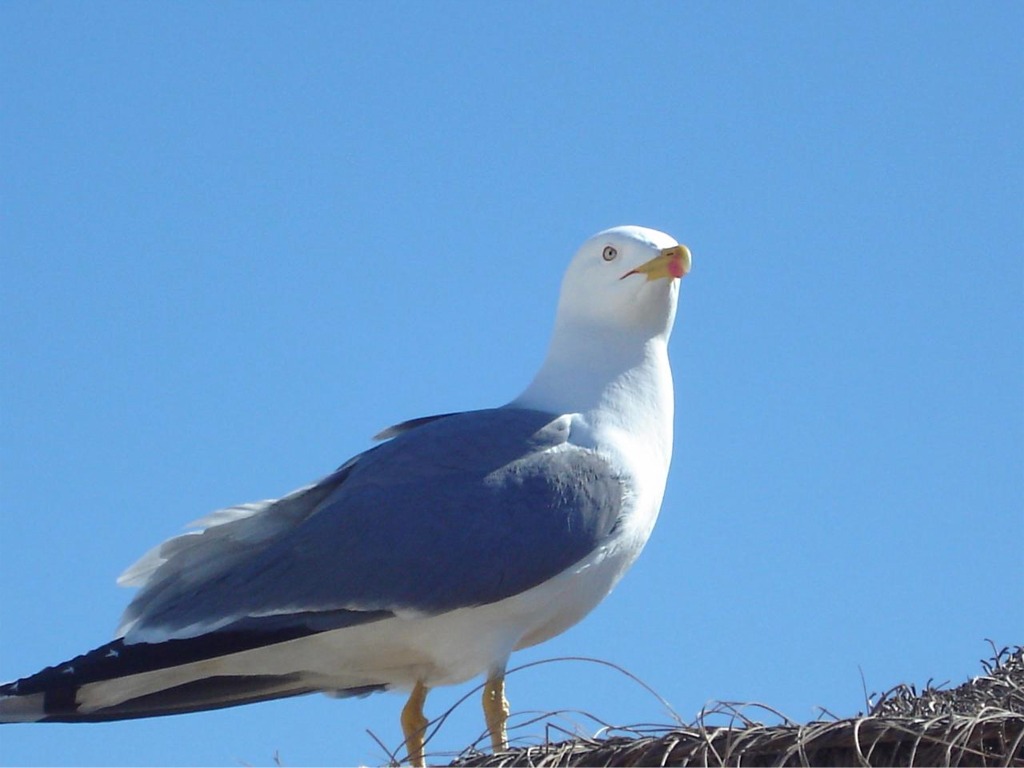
<point>51,695</point>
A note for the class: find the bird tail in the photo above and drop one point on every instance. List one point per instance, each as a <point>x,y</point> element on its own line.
<point>120,681</point>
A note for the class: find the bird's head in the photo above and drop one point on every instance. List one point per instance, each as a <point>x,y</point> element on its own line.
<point>625,277</point>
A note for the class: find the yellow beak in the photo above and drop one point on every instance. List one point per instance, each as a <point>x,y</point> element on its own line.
<point>671,262</point>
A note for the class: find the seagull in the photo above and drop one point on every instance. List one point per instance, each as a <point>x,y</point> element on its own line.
<point>427,559</point>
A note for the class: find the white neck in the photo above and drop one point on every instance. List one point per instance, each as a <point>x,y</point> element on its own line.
<point>617,380</point>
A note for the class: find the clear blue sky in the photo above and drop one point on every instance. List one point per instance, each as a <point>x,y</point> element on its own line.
<point>240,239</point>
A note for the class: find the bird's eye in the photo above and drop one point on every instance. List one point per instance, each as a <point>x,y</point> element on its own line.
<point>609,253</point>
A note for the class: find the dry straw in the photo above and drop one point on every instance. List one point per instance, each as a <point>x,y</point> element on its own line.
<point>979,723</point>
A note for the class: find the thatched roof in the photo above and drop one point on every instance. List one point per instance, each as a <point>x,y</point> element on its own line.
<point>978,723</point>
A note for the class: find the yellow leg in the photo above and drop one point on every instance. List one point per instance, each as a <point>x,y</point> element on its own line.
<point>496,711</point>
<point>414,724</point>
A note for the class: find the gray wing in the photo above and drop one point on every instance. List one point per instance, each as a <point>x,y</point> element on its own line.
<point>457,511</point>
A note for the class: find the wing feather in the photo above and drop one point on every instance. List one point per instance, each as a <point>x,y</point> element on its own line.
<point>463,510</point>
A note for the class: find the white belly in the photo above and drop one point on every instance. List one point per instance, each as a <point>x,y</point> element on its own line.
<point>397,652</point>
